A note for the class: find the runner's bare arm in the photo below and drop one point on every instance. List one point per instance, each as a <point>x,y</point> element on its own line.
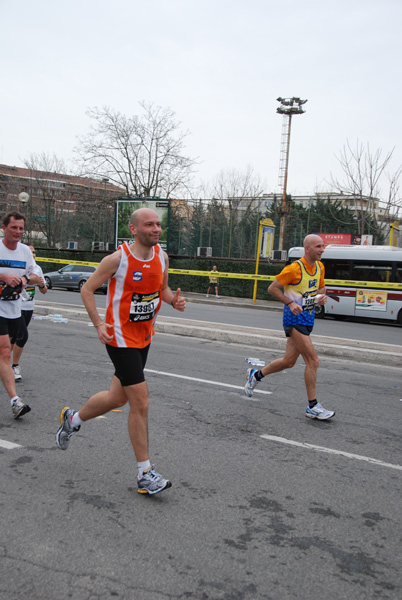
<point>107,267</point>
<point>275,289</point>
<point>178,302</point>
<point>324,298</point>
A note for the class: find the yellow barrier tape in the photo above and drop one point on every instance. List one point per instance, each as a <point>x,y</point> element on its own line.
<point>63,261</point>
<point>247,276</point>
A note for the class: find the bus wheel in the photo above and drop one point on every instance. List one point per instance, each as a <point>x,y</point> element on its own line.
<point>399,319</point>
<point>319,311</point>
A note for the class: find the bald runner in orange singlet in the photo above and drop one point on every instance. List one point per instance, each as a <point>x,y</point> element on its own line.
<point>138,282</point>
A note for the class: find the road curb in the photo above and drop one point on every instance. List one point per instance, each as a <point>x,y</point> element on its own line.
<point>264,339</point>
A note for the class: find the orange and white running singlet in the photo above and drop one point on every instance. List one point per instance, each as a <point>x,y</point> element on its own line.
<point>134,298</point>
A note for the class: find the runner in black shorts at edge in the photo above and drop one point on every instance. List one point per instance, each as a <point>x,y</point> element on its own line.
<point>16,271</point>
<point>138,282</point>
<point>303,286</point>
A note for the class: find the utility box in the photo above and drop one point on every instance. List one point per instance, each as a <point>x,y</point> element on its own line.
<point>98,246</point>
<point>280,255</point>
<point>204,251</point>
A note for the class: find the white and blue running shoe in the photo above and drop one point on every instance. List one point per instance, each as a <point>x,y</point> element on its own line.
<point>319,412</point>
<point>251,382</point>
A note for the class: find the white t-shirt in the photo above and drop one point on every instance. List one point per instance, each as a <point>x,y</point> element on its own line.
<point>14,262</point>
<point>29,302</point>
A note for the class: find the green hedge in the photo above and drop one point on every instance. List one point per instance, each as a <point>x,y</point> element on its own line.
<point>240,288</point>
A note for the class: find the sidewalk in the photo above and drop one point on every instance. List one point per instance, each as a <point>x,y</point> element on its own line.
<point>234,302</point>
<point>268,339</point>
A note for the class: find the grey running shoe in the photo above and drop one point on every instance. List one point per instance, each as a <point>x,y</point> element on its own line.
<point>251,382</point>
<point>17,373</point>
<point>152,482</point>
<point>19,408</point>
<point>66,430</point>
<point>319,412</point>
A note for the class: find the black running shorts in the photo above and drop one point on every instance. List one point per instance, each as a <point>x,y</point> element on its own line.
<point>9,326</point>
<point>129,363</point>
<point>304,329</point>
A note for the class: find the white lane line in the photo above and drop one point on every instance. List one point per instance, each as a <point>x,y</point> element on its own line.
<point>207,381</point>
<point>8,445</point>
<point>274,438</point>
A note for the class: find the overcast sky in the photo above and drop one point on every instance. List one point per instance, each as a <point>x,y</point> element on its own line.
<point>220,65</point>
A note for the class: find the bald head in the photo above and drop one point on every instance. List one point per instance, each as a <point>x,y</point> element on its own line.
<point>313,248</point>
<point>310,239</point>
<point>145,227</point>
<point>142,214</point>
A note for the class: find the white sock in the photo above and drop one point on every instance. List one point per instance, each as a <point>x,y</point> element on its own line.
<point>143,466</point>
<point>12,399</point>
<point>76,421</point>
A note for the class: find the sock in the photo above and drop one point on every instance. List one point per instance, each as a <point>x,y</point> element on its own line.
<point>258,375</point>
<point>15,365</point>
<point>312,403</point>
<point>12,399</point>
<point>76,421</point>
<point>143,466</point>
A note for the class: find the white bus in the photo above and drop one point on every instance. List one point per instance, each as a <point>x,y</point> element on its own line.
<point>361,281</point>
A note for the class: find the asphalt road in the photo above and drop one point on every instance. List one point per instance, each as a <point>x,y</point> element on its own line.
<point>217,312</point>
<point>254,512</point>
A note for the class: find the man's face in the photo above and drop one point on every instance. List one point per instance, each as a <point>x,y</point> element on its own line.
<point>315,249</point>
<point>148,229</point>
<point>13,232</point>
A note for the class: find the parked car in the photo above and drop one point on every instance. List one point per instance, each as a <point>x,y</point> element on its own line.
<point>71,277</point>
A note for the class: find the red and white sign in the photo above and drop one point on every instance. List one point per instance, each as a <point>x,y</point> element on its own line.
<point>336,238</point>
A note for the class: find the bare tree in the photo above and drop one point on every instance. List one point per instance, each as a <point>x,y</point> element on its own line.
<point>364,177</point>
<point>47,195</point>
<point>237,190</point>
<point>230,184</point>
<point>143,154</point>
<point>63,207</point>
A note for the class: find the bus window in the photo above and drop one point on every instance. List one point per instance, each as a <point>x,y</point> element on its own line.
<point>371,273</point>
<point>337,270</point>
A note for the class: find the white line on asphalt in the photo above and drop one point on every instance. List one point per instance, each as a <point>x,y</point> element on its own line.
<point>8,445</point>
<point>208,381</point>
<point>274,438</point>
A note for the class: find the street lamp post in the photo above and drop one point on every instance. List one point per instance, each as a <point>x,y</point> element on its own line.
<point>288,107</point>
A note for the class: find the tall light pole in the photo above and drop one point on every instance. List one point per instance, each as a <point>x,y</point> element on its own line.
<point>288,107</point>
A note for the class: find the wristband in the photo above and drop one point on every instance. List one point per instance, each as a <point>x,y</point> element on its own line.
<point>287,303</point>
<point>172,303</point>
<point>99,324</point>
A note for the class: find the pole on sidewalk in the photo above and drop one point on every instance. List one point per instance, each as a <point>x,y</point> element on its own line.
<point>257,261</point>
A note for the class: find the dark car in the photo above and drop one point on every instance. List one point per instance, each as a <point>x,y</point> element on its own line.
<point>71,277</point>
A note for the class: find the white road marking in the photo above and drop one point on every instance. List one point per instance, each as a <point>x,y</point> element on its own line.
<point>8,445</point>
<point>274,438</point>
<point>207,381</point>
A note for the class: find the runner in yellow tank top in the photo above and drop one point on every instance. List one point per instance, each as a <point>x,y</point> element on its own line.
<point>304,285</point>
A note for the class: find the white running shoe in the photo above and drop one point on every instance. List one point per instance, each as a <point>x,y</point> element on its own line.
<point>19,408</point>
<point>251,382</point>
<point>17,373</point>
<point>319,412</point>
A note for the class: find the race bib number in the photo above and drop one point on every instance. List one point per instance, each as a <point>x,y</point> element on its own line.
<point>143,306</point>
<point>308,302</point>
